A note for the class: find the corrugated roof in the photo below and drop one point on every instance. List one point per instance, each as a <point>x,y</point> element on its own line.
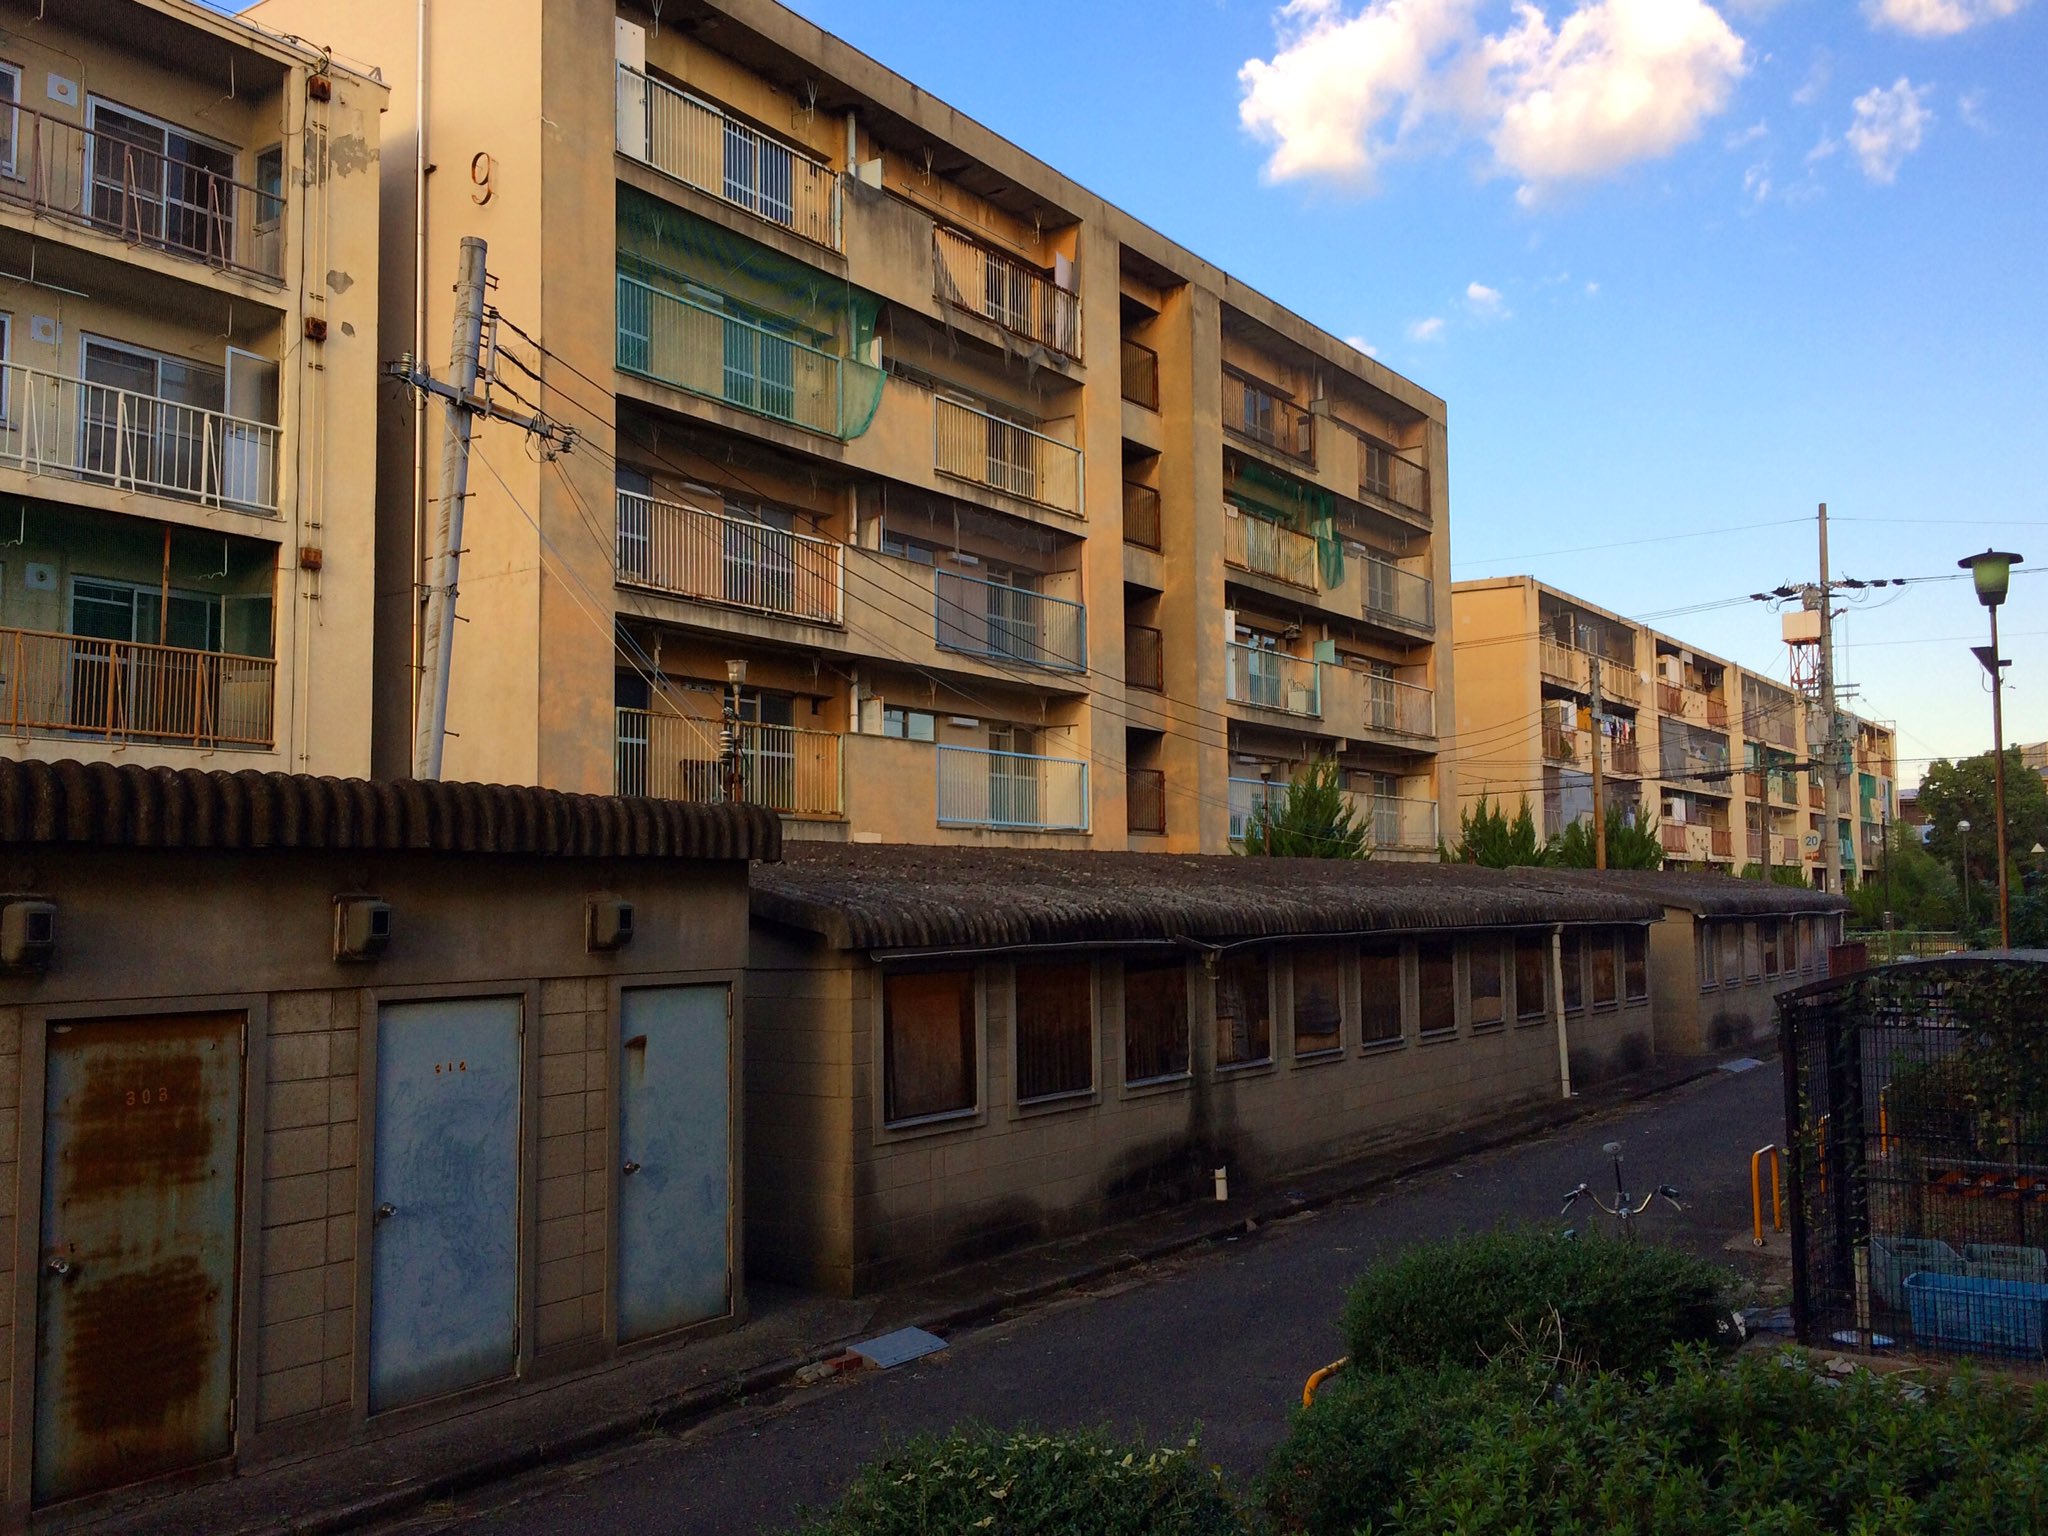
<point>127,806</point>
<point>869,896</point>
<point>1701,893</point>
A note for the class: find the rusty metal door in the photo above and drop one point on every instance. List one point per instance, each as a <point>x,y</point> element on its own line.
<point>675,1145</point>
<point>135,1301</point>
<point>444,1275</point>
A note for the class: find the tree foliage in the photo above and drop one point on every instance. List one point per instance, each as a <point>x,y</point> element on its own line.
<point>1630,844</point>
<point>1488,837</point>
<point>1954,792</point>
<point>1312,819</point>
<point>1920,890</point>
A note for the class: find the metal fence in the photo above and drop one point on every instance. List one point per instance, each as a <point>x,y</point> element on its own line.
<point>1397,708</point>
<point>976,445</point>
<point>1268,418</point>
<point>1140,374</point>
<point>719,558</point>
<point>679,757</point>
<point>1013,791</point>
<point>1272,679</point>
<point>728,358</point>
<point>1916,1099</point>
<point>1141,515</point>
<point>117,690</point>
<point>1008,623</point>
<point>1023,301</point>
<point>1145,800</point>
<point>1403,596</point>
<point>1385,476</point>
<point>1262,546</point>
<point>1144,658</point>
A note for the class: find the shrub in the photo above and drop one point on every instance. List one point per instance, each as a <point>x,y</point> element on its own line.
<point>1462,1302</point>
<point>1007,1484</point>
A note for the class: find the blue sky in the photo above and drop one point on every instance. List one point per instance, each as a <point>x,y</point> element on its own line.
<point>1675,267</point>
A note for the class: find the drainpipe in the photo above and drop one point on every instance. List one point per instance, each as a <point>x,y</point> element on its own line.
<point>1564,1044</point>
<point>419,342</point>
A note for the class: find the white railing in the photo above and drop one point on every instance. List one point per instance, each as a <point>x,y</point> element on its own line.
<point>1003,289</point>
<point>53,424</point>
<point>1397,708</point>
<point>718,558</point>
<point>117,690</point>
<point>1393,593</point>
<point>971,444</point>
<point>1011,791</point>
<point>678,757</point>
<point>689,139</point>
<point>1247,795</point>
<point>1402,823</point>
<point>1272,680</point>
<point>1006,623</point>
<point>1260,545</point>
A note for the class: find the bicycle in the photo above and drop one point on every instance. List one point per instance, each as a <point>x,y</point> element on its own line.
<point>1625,1207</point>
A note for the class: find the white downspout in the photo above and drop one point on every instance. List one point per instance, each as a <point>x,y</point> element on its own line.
<point>1564,1044</point>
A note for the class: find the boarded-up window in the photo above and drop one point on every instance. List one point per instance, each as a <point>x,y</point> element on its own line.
<point>1379,994</point>
<point>1055,1029</point>
<point>1483,983</point>
<point>1768,931</point>
<point>1318,1000</point>
<point>1574,972</point>
<point>1436,974</point>
<point>927,1043</point>
<point>1155,1019</point>
<point>1600,969</point>
<point>1752,952</point>
<point>1532,975</point>
<point>1703,949</point>
<point>1635,963</point>
<point>1244,1008</point>
<point>1730,938</point>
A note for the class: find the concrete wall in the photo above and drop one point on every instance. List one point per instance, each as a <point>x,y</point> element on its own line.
<point>1703,1003</point>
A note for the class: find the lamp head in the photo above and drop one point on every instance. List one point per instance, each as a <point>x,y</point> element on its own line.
<point>1962,826</point>
<point>1992,574</point>
<point>736,672</point>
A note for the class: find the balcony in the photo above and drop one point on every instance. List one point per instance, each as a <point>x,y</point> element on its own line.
<point>1670,699</point>
<point>122,691</point>
<point>1141,515</point>
<point>1817,797</point>
<point>1145,801</point>
<point>1022,301</point>
<point>1140,374</point>
<point>717,558</point>
<point>1246,796</point>
<point>1561,663</point>
<point>1011,791</point>
<point>1398,824</point>
<point>1144,658</point>
<point>693,142</point>
<point>1720,843</point>
<point>1268,679</point>
<point>120,178</point>
<point>1753,784</point>
<point>724,356</point>
<point>1266,548</point>
<point>58,425</point>
<point>1387,478</point>
<point>973,445</point>
<point>1624,758</point>
<point>1268,419</point>
<point>678,757</point>
<point>1400,596</point>
<point>1005,623</point>
<point>1395,708</point>
<point>1618,681</point>
<point>1784,850</point>
<point>1672,834</point>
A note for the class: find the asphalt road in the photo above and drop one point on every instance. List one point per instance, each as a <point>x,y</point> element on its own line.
<point>1218,1340</point>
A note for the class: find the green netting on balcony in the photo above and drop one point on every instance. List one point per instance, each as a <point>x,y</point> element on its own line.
<point>712,312</point>
<point>1305,508</point>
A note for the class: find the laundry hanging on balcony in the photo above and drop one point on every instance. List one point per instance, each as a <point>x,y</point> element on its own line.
<point>1305,508</point>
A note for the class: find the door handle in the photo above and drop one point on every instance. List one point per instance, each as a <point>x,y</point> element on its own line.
<point>631,1167</point>
<point>59,1267</point>
<point>384,1213</point>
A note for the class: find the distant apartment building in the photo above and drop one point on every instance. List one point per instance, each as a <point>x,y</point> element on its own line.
<point>188,314</point>
<point>1014,521</point>
<point>1726,762</point>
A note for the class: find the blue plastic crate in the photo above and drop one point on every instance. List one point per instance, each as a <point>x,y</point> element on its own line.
<point>1892,1259</point>
<point>2000,1317</point>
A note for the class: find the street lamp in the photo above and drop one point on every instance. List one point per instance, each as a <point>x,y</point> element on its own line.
<point>735,679</point>
<point>1991,572</point>
<point>1968,921</point>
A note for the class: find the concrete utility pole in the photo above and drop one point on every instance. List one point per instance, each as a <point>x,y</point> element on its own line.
<point>1831,843</point>
<point>1599,808</point>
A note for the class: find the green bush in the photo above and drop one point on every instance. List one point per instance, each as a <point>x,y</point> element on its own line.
<point>1462,1302</point>
<point>1009,1484</point>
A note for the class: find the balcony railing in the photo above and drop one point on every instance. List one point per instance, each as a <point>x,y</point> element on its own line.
<point>1670,698</point>
<point>1144,658</point>
<point>1145,801</point>
<point>1022,301</point>
<point>677,757</point>
<point>731,359</point>
<point>1385,476</point>
<point>1624,758</point>
<point>1562,663</point>
<point>1618,682</point>
<point>1402,596</point>
<point>127,691</point>
<point>1672,834</point>
<point>101,178</point>
<point>1397,822</point>
<point>1721,842</point>
<point>971,444</point>
<point>57,425</point>
<point>1267,418</point>
<point>1717,712</point>
<point>1395,708</point>
<point>1246,796</point>
<point>1271,679</point>
<point>1141,515</point>
<point>1816,797</point>
<point>1140,374</point>
<point>1011,791</point>
<point>695,143</point>
<point>1005,623</point>
<point>717,558</point>
<point>1753,783</point>
<point>1260,545</point>
<point>1560,743</point>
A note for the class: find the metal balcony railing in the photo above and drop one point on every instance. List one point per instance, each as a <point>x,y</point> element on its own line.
<point>1253,411</point>
<point>1394,594</point>
<point>974,445</point>
<point>1721,842</point>
<point>1260,545</point>
<point>1670,698</point>
<point>1141,515</point>
<point>1144,658</point>
<point>1271,679</point>
<point>1753,783</point>
<point>1145,801</point>
<point>53,424</point>
<point>1395,708</point>
<point>1562,663</point>
<point>1672,834</point>
<point>1385,476</point>
<point>1006,623</point>
<point>731,359</point>
<point>1401,823</point>
<point>718,558</point>
<point>678,757</point>
<point>1023,301</point>
<point>1560,743</point>
<point>1140,374</point>
<point>1011,791</point>
<point>694,142</point>
<point>118,690</point>
<point>1618,681</point>
<point>1624,758</point>
<point>1246,796</point>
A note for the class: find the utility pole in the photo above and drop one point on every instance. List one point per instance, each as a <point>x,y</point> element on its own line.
<point>1599,808</point>
<point>1831,843</point>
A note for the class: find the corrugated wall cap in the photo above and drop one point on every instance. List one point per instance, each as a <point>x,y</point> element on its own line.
<point>112,805</point>
<point>1704,895</point>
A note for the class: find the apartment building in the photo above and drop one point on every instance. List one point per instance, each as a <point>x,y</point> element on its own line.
<point>989,513</point>
<point>1723,760</point>
<point>188,313</point>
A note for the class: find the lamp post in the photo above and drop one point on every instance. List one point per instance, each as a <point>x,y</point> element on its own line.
<point>1969,922</point>
<point>735,781</point>
<point>1991,572</point>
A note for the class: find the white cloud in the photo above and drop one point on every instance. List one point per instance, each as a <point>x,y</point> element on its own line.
<point>1756,130</point>
<point>1890,122</point>
<point>1426,330</point>
<point>1937,18</point>
<point>1970,108</point>
<point>1362,345</point>
<point>1818,74</point>
<point>1826,149</point>
<point>1486,302</point>
<point>1612,83</point>
<point>1592,288</point>
<point>1756,183</point>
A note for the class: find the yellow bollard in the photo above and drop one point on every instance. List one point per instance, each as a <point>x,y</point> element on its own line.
<point>1308,1390</point>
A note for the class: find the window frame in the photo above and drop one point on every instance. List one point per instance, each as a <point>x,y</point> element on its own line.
<point>1424,1034</point>
<point>975,1037</point>
<point>264,223</point>
<point>1635,962</point>
<point>1173,1079</point>
<point>1337,955</point>
<point>1524,1014</point>
<point>1479,949</point>
<point>1573,978</point>
<point>1705,960</point>
<point>1383,950</point>
<point>906,713</point>
<point>1263,955</point>
<point>1091,1091</point>
<point>10,164</point>
<point>1752,951</point>
<point>1608,945</point>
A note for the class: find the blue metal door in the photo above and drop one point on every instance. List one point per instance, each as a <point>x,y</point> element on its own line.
<point>675,1143</point>
<point>444,1278</point>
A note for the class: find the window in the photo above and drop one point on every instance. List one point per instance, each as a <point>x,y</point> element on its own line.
<point>159,185</point>
<point>1767,931</point>
<point>162,441</point>
<point>1155,1019</point>
<point>1055,1029</point>
<point>1483,984</point>
<point>928,1045</point>
<point>1532,976</point>
<point>270,188</point>
<point>1379,994</point>
<point>760,175</point>
<point>1703,953</point>
<point>914,550</point>
<point>120,610</point>
<point>1600,958</point>
<point>1729,937</point>
<point>1752,951</point>
<point>1574,972</point>
<point>10,118</point>
<point>6,374</point>
<point>909,724</point>
<point>1318,1001</point>
<point>1436,972</point>
<point>1635,964</point>
<point>1244,1008</point>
